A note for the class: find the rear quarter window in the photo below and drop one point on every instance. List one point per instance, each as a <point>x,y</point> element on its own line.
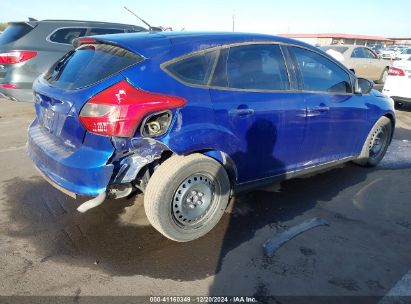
<point>14,32</point>
<point>89,64</point>
<point>195,69</point>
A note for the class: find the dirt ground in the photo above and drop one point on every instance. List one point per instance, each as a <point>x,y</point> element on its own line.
<point>48,248</point>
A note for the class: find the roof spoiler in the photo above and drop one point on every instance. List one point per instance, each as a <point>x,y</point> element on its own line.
<point>32,22</point>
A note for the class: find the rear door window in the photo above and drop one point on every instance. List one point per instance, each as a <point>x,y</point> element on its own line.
<point>14,32</point>
<point>67,35</point>
<point>252,67</point>
<point>195,69</point>
<point>89,64</point>
<point>319,74</point>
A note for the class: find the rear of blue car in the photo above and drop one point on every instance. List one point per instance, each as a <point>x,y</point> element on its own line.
<point>71,156</point>
<point>166,114</point>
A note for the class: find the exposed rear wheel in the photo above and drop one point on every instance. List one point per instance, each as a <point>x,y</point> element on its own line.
<point>186,196</point>
<point>376,143</point>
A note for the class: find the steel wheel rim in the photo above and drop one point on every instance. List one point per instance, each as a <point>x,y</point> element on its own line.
<point>378,142</point>
<point>193,200</point>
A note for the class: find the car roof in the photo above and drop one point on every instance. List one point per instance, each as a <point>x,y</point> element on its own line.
<point>85,23</point>
<point>66,21</point>
<point>152,43</point>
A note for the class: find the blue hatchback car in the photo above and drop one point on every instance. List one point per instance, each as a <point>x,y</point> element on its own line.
<point>190,119</point>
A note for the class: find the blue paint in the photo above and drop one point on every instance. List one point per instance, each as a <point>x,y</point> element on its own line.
<point>276,137</point>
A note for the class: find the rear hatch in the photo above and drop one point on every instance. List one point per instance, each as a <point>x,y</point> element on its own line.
<point>61,92</point>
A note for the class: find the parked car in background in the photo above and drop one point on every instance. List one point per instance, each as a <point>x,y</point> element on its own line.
<point>404,55</point>
<point>377,49</point>
<point>191,119</point>
<point>398,84</point>
<point>361,60</point>
<point>27,49</point>
<point>389,53</point>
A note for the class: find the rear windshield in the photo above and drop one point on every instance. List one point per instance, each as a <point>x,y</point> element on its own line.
<point>339,49</point>
<point>13,32</point>
<point>89,64</point>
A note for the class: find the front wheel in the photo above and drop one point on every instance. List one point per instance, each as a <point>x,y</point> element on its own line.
<point>376,144</point>
<point>186,196</point>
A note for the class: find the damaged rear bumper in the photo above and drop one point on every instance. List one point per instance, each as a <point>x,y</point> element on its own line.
<point>83,171</point>
<point>93,168</point>
<point>132,155</point>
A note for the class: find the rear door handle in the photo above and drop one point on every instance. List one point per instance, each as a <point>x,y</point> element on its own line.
<point>321,109</point>
<point>241,112</point>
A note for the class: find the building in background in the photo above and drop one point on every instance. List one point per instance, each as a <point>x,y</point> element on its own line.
<point>402,41</point>
<point>334,38</point>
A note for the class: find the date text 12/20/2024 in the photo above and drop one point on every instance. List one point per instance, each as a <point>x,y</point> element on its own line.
<point>203,300</point>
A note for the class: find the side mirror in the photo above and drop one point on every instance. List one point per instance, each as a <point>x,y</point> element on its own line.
<point>363,86</point>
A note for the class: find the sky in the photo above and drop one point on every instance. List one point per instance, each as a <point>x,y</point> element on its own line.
<point>366,17</point>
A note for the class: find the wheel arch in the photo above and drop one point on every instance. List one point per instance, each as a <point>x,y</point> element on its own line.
<point>391,117</point>
<point>225,160</point>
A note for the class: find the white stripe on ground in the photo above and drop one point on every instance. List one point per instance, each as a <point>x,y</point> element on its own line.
<point>12,149</point>
<point>401,289</point>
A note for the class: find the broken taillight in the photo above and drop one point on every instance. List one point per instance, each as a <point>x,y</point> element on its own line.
<point>118,110</point>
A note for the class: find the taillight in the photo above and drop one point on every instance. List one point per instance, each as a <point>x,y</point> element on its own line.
<point>83,40</point>
<point>395,72</point>
<point>7,86</point>
<point>13,57</point>
<point>118,110</point>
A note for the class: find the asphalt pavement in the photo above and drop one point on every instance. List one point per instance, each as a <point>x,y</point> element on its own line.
<point>47,248</point>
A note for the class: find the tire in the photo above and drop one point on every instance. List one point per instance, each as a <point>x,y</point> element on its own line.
<point>187,196</point>
<point>383,76</point>
<point>376,143</point>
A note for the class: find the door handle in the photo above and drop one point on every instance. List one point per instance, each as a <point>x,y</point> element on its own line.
<point>241,112</point>
<point>321,109</point>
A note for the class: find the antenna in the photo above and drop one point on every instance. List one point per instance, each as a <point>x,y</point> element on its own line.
<point>142,20</point>
<point>233,21</point>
